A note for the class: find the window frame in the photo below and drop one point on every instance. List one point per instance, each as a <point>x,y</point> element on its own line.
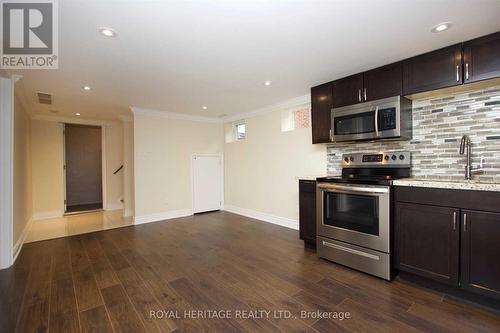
<point>236,124</point>
<point>290,118</point>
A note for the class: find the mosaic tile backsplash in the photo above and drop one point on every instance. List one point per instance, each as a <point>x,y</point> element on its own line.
<point>438,125</point>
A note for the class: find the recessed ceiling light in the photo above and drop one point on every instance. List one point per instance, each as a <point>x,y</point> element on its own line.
<point>204,107</point>
<point>77,114</point>
<point>441,27</point>
<point>87,88</point>
<point>107,32</point>
<point>267,83</point>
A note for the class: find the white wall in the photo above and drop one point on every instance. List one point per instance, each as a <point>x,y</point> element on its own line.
<point>6,169</point>
<point>47,164</point>
<point>162,162</point>
<point>261,171</point>
<point>47,169</point>
<point>23,203</point>
<point>128,168</point>
<point>114,159</point>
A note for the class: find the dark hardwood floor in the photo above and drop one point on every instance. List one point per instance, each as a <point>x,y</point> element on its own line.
<point>109,281</point>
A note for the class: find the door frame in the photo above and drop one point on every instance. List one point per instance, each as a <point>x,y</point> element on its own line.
<point>221,156</point>
<point>103,162</point>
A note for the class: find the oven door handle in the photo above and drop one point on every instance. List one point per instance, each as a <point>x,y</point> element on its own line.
<point>376,122</point>
<point>353,251</point>
<point>353,189</point>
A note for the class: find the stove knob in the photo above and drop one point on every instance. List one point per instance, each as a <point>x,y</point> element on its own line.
<point>346,159</point>
<point>351,159</point>
<point>386,157</point>
<point>401,157</point>
<point>394,157</point>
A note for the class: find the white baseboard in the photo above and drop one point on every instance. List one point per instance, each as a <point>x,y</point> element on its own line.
<point>19,243</point>
<point>114,206</point>
<point>282,221</point>
<point>47,215</point>
<point>162,216</point>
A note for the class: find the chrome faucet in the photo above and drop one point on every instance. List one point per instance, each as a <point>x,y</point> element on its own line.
<point>469,169</point>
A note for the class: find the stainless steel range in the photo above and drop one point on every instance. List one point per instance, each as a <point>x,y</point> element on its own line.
<point>354,214</point>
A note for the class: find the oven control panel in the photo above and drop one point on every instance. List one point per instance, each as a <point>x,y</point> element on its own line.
<point>380,159</point>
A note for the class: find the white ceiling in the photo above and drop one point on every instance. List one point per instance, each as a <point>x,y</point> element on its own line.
<point>180,55</point>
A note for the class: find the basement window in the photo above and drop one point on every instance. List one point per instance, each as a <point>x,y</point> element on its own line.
<point>240,130</point>
<point>235,131</point>
<point>295,118</point>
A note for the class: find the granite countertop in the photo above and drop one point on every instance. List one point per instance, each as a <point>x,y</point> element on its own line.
<point>476,185</point>
<point>309,177</point>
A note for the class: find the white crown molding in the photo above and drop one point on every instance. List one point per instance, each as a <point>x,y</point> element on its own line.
<point>286,104</point>
<point>269,218</point>
<point>126,119</point>
<point>69,120</point>
<point>289,103</point>
<point>162,216</point>
<point>20,95</point>
<point>173,115</point>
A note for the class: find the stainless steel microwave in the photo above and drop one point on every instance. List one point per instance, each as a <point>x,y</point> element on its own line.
<point>388,118</point>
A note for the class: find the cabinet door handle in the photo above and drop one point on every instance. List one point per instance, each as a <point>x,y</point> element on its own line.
<point>465,222</point>
<point>364,93</point>
<point>454,220</point>
<point>458,73</point>
<point>359,95</point>
<point>466,70</point>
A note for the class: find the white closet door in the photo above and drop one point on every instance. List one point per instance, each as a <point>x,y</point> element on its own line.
<point>207,183</point>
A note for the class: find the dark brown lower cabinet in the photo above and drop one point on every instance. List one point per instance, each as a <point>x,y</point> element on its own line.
<point>480,252</point>
<point>450,236</point>
<point>427,241</point>
<point>307,211</point>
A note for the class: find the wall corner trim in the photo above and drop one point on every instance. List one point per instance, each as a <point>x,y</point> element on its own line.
<point>265,217</point>
<point>20,242</point>
<point>157,217</point>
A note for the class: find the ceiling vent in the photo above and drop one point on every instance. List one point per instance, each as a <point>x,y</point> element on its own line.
<point>44,98</point>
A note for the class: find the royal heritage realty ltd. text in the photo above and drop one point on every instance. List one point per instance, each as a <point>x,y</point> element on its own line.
<point>247,314</point>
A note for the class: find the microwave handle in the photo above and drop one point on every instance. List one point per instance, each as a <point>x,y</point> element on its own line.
<point>376,121</point>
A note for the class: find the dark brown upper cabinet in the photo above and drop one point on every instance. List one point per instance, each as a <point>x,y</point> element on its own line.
<point>480,266</point>
<point>427,241</point>
<point>383,82</point>
<point>459,64</point>
<point>434,70</point>
<point>482,58</point>
<point>321,106</point>
<point>375,84</point>
<point>348,90</point>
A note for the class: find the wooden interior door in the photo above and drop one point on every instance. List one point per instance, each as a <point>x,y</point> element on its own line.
<point>83,167</point>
